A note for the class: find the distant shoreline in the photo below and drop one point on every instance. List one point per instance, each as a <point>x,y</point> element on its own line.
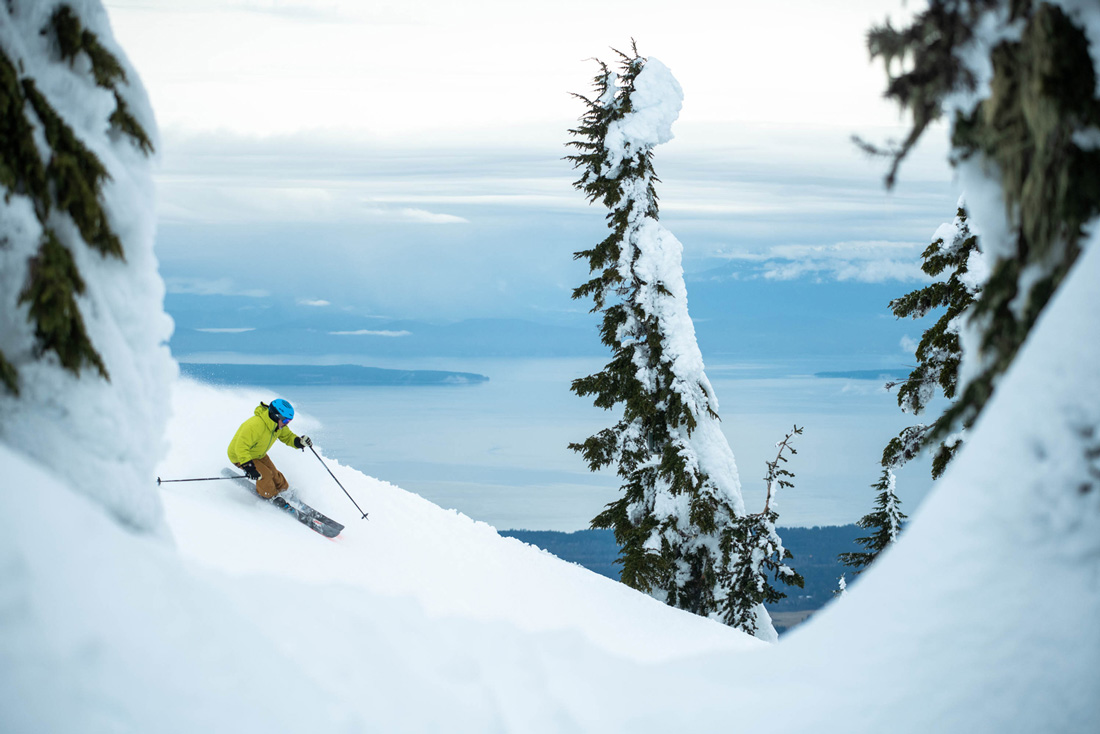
<point>324,375</point>
<point>815,552</point>
<point>886,374</point>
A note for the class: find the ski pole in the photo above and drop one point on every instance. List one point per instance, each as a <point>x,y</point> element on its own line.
<point>338,482</point>
<point>202,479</point>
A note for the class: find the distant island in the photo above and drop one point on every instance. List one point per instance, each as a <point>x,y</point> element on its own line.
<point>322,375</point>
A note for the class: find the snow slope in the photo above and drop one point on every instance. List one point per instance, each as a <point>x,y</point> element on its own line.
<point>981,619</point>
<point>449,564</point>
<point>418,619</point>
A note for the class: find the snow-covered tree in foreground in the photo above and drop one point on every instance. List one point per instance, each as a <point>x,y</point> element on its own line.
<point>680,485</point>
<point>1019,82</point>
<point>83,365</point>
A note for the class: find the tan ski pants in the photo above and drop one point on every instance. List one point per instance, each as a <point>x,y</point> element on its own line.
<point>271,480</point>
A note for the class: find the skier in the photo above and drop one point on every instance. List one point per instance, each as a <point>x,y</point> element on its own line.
<point>249,447</point>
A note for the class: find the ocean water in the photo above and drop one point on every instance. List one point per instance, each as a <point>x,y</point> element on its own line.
<point>497,451</point>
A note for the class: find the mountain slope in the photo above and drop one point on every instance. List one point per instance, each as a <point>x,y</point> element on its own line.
<point>417,619</point>
<point>422,620</point>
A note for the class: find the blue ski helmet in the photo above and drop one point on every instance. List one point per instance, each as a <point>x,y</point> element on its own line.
<point>281,409</point>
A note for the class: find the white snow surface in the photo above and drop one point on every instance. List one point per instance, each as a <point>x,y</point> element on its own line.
<point>980,619</point>
<point>103,437</point>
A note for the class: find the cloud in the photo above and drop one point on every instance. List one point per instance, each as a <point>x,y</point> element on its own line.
<point>214,199</point>
<point>297,11</point>
<point>342,12</point>
<point>859,272</point>
<point>874,261</point>
<point>430,231</point>
<point>909,345</point>
<point>409,214</point>
<point>369,332</point>
<point>211,287</point>
<point>318,303</point>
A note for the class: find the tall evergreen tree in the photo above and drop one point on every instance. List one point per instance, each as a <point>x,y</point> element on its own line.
<point>886,521</point>
<point>680,489</point>
<point>1031,127</point>
<point>939,354</point>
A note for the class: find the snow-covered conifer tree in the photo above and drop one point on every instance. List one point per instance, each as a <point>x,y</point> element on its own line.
<point>955,249</point>
<point>1019,81</point>
<point>83,365</point>
<point>886,520</point>
<point>680,486</point>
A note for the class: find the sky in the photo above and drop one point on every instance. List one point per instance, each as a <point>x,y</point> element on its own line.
<point>381,171</point>
<point>404,160</point>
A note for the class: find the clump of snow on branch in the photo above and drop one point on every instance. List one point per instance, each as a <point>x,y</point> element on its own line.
<point>655,104</point>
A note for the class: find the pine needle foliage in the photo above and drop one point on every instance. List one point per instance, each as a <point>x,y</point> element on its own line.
<point>939,353</point>
<point>749,578</point>
<point>886,520</point>
<point>69,182</point>
<point>928,48</point>
<point>1028,132</point>
<point>9,377</point>
<point>668,557</point>
<point>76,176</point>
<point>73,39</point>
<point>53,285</point>
<point>123,122</point>
<point>21,169</point>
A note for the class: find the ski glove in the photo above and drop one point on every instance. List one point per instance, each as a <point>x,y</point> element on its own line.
<point>250,470</point>
<point>301,441</point>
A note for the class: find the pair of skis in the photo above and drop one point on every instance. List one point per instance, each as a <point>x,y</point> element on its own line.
<point>300,511</point>
<point>309,517</point>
